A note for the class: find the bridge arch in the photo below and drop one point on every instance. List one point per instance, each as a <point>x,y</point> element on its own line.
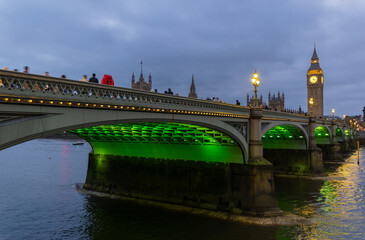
<point>186,140</point>
<point>284,135</point>
<point>339,135</point>
<point>347,134</point>
<point>60,120</point>
<point>323,135</point>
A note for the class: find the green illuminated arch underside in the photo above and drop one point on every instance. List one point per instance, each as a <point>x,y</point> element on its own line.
<point>322,135</point>
<point>284,137</point>
<point>339,135</point>
<point>164,140</point>
<point>338,132</point>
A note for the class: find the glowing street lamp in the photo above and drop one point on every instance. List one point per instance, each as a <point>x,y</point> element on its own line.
<point>333,114</point>
<point>256,82</point>
<point>311,102</point>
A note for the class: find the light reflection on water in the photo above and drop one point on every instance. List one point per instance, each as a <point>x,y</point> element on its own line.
<point>336,205</point>
<point>38,201</point>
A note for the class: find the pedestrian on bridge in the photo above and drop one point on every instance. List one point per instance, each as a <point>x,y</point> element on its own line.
<point>108,80</point>
<point>94,79</point>
<point>84,78</point>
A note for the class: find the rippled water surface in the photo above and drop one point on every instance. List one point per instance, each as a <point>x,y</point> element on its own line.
<point>38,201</point>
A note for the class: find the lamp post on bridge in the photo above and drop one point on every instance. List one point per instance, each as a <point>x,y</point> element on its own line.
<point>260,177</point>
<point>256,82</point>
<point>335,147</point>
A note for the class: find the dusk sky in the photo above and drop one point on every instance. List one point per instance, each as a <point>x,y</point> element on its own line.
<point>220,42</point>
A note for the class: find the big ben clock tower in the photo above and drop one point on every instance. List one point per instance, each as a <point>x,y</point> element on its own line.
<point>315,86</point>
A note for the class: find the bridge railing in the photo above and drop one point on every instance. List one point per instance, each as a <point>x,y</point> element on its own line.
<point>32,86</point>
<point>36,86</point>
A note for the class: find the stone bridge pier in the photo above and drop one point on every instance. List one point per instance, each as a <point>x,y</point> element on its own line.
<point>260,188</point>
<point>315,153</point>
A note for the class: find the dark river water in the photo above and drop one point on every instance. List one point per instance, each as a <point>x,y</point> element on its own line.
<point>38,200</point>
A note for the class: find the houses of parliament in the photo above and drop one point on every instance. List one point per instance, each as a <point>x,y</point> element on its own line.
<point>315,84</point>
<point>141,84</point>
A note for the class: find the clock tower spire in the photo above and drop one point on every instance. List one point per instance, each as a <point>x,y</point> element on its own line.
<point>315,86</point>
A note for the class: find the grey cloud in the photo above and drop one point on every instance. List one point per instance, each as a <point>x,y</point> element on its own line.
<point>220,42</point>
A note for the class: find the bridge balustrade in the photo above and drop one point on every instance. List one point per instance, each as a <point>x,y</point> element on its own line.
<point>19,84</point>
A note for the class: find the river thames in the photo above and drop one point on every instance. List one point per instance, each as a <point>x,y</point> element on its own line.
<point>38,200</point>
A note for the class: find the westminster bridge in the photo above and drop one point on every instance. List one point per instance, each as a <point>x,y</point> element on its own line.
<point>168,148</point>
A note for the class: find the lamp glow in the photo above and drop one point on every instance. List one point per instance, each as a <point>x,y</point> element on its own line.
<point>311,102</point>
<point>255,81</point>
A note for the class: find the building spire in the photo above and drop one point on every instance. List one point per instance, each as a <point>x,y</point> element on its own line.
<point>133,80</point>
<point>314,60</point>
<point>192,93</point>
<point>141,67</point>
<point>314,53</point>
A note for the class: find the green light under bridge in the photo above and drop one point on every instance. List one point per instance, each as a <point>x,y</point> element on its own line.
<point>163,140</point>
<point>338,132</point>
<point>284,137</point>
<point>322,135</point>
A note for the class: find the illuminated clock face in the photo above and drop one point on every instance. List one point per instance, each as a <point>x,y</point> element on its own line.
<point>313,79</point>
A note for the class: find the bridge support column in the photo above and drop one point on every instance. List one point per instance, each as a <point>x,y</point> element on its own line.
<point>335,146</point>
<point>261,190</point>
<point>331,152</point>
<point>316,158</point>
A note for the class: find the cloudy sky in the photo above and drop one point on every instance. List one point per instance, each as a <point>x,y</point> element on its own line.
<point>220,42</point>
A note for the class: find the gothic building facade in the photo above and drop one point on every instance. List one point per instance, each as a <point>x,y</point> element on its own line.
<point>250,101</point>
<point>274,103</point>
<point>142,84</point>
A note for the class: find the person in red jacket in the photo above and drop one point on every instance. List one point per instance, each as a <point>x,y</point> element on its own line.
<point>108,80</point>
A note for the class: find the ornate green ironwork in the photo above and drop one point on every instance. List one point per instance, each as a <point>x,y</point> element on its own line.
<point>162,140</point>
<point>322,135</point>
<point>167,133</point>
<point>284,137</point>
<point>338,132</point>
